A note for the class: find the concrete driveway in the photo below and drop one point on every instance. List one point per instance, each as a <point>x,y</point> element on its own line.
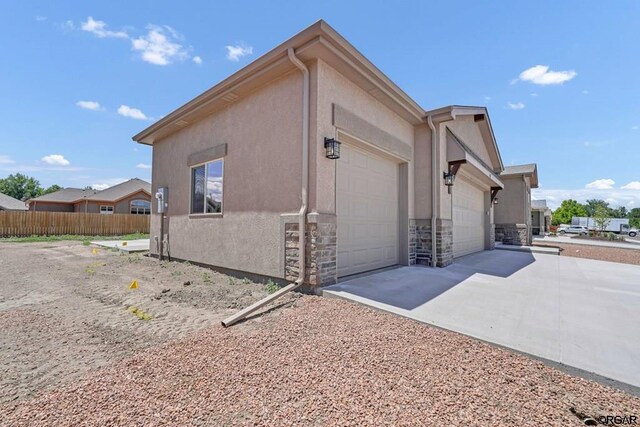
<point>577,312</point>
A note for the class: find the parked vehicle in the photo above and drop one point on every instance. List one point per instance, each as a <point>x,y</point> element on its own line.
<point>573,229</point>
<point>615,225</point>
<point>633,232</point>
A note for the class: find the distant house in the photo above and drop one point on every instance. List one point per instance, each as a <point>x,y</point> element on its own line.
<point>540,217</point>
<point>130,197</point>
<point>8,203</point>
<point>512,214</point>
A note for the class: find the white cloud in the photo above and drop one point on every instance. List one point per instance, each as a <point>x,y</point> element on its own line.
<point>516,106</point>
<point>585,92</point>
<point>68,25</point>
<point>487,98</point>
<point>197,60</point>
<point>601,184</point>
<point>635,127</point>
<point>542,75</point>
<point>103,184</point>
<point>633,185</point>
<point>40,18</point>
<point>99,29</point>
<point>234,53</point>
<point>534,94</point>
<point>56,160</point>
<point>6,160</point>
<point>143,166</point>
<point>159,46</point>
<point>89,105</point>
<point>134,113</point>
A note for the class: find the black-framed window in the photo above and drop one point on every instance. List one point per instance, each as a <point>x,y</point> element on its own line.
<point>207,187</point>
<point>140,207</point>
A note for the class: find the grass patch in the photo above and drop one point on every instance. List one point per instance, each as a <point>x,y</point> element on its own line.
<point>142,315</point>
<point>86,240</point>
<point>271,287</point>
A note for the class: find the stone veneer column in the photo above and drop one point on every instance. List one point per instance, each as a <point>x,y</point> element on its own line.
<point>444,242</point>
<point>492,236</point>
<point>321,239</point>
<point>512,234</point>
<point>420,233</point>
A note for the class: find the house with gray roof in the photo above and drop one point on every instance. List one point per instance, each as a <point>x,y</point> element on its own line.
<point>513,219</point>
<point>130,197</point>
<point>8,203</point>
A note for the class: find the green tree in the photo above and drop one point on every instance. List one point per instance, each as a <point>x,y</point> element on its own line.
<point>601,218</point>
<point>620,212</point>
<point>593,204</point>
<point>634,217</point>
<point>567,210</point>
<point>20,187</point>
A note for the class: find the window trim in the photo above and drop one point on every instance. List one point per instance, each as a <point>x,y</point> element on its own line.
<point>206,214</point>
<point>107,212</point>
<point>139,207</point>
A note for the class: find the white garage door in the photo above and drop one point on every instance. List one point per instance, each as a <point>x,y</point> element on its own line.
<point>367,209</point>
<point>468,218</point>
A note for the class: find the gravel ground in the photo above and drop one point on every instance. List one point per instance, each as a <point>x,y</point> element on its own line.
<point>603,253</point>
<point>323,362</point>
<point>65,310</point>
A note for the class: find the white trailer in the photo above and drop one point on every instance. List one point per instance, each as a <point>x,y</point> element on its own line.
<point>616,225</point>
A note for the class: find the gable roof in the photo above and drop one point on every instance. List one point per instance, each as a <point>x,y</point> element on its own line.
<point>10,204</point>
<point>538,204</point>
<point>65,195</point>
<point>122,190</point>
<point>317,41</point>
<point>530,170</point>
<point>111,194</point>
<point>480,116</point>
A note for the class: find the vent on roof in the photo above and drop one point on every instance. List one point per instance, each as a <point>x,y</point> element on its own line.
<point>230,97</point>
<point>181,123</point>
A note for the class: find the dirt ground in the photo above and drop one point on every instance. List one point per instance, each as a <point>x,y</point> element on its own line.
<point>65,310</point>
<point>602,253</point>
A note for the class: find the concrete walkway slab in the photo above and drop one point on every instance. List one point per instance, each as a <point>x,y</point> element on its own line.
<point>577,312</point>
<point>530,249</point>
<point>139,245</point>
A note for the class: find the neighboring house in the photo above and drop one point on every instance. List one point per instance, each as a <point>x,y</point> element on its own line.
<point>540,217</point>
<point>237,170</point>
<point>513,211</point>
<point>130,197</point>
<point>8,203</point>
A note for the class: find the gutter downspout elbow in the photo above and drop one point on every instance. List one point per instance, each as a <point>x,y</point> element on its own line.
<point>434,189</point>
<point>303,207</point>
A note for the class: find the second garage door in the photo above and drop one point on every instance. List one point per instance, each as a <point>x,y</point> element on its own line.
<point>468,218</point>
<point>367,210</point>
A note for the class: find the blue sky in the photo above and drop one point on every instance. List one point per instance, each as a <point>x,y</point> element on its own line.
<point>78,79</point>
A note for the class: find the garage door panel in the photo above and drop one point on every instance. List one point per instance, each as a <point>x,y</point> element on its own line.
<point>367,206</point>
<point>468,218</point>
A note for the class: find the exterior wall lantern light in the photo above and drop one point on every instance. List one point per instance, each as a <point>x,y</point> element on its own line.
<point>448,178</point>
<point>332,148</point>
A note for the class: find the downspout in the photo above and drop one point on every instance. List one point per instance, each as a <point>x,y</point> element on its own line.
<point>434,189</point>
<point>303,208</point>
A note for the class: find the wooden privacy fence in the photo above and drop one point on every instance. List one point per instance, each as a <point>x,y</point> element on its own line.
<point>28,223</point>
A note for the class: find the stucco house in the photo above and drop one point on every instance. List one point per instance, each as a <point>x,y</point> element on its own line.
<point>8,203</point>
<point>540,217</point>
<point>513,220</point>
<point>130,197</point>
<point>250,160</point>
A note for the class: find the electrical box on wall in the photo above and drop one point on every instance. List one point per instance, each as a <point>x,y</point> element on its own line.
<point>162,195</point>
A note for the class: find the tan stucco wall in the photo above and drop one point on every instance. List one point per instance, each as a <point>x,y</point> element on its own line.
<point>262,178</point>
<point>331,87</point>
<point>422,171</point>
<point>50,207</point>
<point>466,129</point>
<point>512,204</point>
